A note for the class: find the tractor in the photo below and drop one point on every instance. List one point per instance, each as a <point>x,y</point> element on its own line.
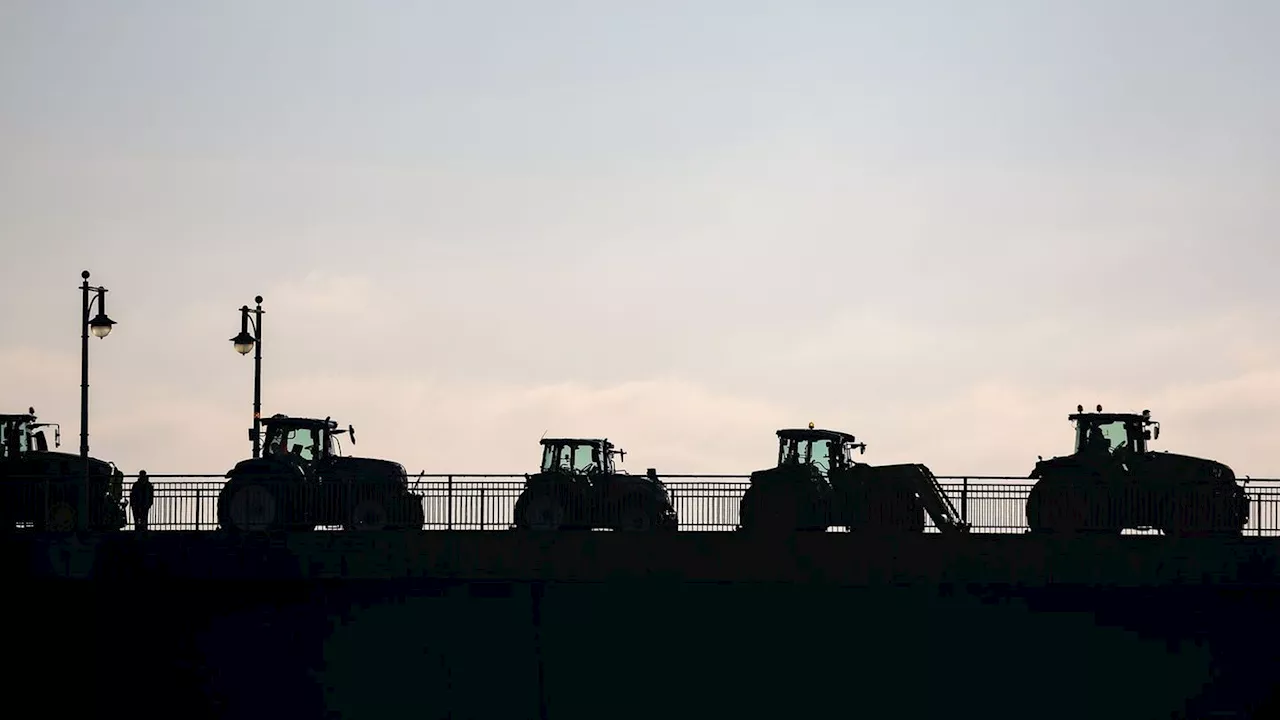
<point>579,488</point>
<point>1113,482</point>
<point>41,487</point>
<point>303,481</point>
<point>817,484</point>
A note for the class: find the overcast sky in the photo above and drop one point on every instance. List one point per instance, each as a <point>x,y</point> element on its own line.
<point>681,225</point>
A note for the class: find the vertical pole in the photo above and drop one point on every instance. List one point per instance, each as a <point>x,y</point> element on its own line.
<point>964,501</point>
<point>82,510</point>
<point>449,512</point>
<point>257,378</point>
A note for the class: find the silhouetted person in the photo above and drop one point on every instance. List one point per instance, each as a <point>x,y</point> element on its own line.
<point>141,498</point>
<point>1097,442</point>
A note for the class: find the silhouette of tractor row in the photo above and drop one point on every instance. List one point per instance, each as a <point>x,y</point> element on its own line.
<point>41,487</point>
<point>1109,483</point>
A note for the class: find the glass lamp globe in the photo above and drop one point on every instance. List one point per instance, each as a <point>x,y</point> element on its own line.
<point>243,343</point>
<point>100,326</point>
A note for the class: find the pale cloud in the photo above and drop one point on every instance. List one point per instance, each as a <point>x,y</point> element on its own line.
<point>331,296</point>
<point>443,426</point>
<point>677,426</point>
<point>443,420</point>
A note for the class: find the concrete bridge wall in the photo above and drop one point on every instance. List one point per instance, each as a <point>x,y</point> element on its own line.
<point>614,634</point>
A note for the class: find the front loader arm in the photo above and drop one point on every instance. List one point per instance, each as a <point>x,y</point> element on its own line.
<point>922,481</point>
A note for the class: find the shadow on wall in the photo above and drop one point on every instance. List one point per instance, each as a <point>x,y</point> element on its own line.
<point>695,650</point>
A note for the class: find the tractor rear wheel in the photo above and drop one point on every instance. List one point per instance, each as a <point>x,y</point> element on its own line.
<point>250,507</point>
<point>539,510</point>
<point>267,495</point>
<point>778,510</point>
<point>1055,508</point>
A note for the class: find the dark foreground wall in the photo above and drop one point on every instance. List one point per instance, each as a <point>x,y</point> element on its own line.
<point>529,647</point>
<point>378,650</point>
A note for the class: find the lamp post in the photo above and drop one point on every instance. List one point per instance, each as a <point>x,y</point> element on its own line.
<point>100,326</point>
<point>244,342</point>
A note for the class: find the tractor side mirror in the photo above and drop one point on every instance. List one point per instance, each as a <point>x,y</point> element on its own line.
<point>352,432</point>
<point>862,449</point>
<point>42,443</point>
<point>1157,432</point>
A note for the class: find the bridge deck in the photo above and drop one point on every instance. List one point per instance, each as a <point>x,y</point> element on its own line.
<point>711,557</point>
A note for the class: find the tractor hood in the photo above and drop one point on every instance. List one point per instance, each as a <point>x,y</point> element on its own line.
<point>54,460</point>
<point>372,468</point>
<point>1161,462</point>
<point>786,474</point>
<point>1188,464</point>
<point>1063,462</point>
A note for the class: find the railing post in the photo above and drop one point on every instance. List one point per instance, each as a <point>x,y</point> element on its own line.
<point>482,503</point>
<point>1257,516</point>
<point>198,504</point>
<point>964,500</point>
<point>449,512</point>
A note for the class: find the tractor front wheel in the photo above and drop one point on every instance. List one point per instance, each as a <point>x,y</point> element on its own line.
<point>1204,512</point>
<point>416,516</point>
<point>637,513</point>
<point>368,514</point>
<point>60,517</point>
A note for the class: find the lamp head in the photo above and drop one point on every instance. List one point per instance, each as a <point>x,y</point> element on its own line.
<point>243,342</point>
<point>100,326</point>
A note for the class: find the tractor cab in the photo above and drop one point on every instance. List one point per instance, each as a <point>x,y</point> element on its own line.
<point>577,456</point>
<point>306,440</point>
<point>824,450</point>
<point>1103,434</point>
<point>20,434</point>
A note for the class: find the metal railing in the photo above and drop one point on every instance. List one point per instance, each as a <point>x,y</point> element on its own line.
<point>990,504</point>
